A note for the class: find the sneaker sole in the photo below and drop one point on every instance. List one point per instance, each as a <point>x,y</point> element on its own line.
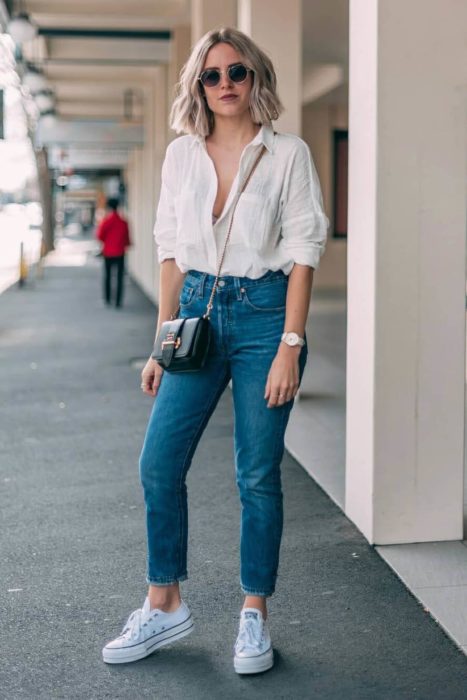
<point>141,651</point>
<point>254,664</point>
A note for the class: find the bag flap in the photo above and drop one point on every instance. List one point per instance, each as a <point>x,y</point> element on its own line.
<point>170,330</point>
<point>189,335</point>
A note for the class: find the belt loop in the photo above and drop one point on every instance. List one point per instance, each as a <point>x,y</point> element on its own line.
<point>201,285</point>
<point>237,285</point>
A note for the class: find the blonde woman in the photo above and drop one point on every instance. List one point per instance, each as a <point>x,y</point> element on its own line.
<point>225,103</point>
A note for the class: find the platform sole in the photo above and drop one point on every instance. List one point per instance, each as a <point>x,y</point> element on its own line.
<point>140,651</point>
<point>254,664</point>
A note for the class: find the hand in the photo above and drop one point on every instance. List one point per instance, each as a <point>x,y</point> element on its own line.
<point>151,377</point>
<point>283,378</point>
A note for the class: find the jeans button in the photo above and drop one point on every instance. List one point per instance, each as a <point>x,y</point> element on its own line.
<point>221,283</point>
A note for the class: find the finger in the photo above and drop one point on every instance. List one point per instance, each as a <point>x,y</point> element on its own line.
<point>273,397</point>
<point>268,388</point>
<point>283,396</point>
<point>146,385</point>
<point>157,381</point>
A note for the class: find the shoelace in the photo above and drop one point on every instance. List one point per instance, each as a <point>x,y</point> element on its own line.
<point>251,633</point>
<point>133,625</point>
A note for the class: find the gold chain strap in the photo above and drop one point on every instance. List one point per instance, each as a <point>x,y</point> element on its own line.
<point>209,305</point>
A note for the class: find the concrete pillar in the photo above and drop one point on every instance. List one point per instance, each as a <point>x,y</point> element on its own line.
<point>144,171</point>
<point>45,193</point>
<point>211,14</point>
<point>406,269</point>
<point>276,27</point>
<point>180,48</point>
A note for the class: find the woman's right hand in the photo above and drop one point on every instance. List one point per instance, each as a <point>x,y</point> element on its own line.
<point>151,377</point>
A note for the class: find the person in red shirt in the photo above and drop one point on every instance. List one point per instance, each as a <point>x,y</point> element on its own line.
<point>114,233</point>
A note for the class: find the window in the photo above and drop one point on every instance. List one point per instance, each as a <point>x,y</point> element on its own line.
<point>341,142</point>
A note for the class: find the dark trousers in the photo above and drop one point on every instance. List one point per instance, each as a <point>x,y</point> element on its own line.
<point>117,262</point>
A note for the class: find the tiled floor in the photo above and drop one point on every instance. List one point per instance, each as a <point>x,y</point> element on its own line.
<point>435,572</point>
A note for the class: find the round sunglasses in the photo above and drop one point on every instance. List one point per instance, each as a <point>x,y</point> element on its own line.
<point>237,73</point>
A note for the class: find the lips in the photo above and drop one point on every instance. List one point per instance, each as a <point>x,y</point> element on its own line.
<point>228,98</point>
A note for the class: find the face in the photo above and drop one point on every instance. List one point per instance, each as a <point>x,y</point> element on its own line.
<point>221,56</point>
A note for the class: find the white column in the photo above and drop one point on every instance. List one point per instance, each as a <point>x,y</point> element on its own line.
<point>406,269</point>
<point>276,27</point>
<point>211,14</point>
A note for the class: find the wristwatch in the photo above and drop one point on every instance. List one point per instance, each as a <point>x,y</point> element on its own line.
<point>292,339</point>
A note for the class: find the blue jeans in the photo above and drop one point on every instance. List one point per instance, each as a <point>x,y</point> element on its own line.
<point>247,321</point>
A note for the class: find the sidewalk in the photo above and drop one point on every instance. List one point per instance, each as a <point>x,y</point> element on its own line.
<point>72,420</point>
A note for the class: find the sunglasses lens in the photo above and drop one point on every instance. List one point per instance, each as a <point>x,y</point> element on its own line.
<point>210,78</point>
<point>238,73</point>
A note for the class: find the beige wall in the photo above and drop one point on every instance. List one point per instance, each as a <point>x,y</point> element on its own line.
<point>143,176</point>
<point>319,121</point>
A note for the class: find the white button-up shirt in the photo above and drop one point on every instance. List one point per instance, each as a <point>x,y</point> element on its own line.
<point>279,219</point>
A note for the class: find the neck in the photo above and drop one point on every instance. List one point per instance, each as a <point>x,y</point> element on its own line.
<point>232,133</point>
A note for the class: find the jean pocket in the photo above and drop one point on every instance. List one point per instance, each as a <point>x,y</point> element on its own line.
<point>188,293</point>
<point>267,297</point>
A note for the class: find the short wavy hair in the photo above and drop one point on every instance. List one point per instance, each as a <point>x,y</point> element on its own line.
<point>190,112</point>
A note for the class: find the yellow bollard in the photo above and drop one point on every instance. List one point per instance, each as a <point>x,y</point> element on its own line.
<point>40,262</point>
<point>23,266</point>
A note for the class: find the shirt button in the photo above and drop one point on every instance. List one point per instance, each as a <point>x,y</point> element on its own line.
<point>221,283</point>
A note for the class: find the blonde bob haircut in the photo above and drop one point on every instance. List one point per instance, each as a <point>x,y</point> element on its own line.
<point>190,112</point>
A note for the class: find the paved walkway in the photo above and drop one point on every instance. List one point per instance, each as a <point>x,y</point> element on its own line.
<point>72,420</point>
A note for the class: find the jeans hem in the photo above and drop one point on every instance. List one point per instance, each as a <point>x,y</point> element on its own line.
<point>255,591</point>
<point>165,580</point>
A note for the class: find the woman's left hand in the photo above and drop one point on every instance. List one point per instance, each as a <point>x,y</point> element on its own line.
<point>283,378</point>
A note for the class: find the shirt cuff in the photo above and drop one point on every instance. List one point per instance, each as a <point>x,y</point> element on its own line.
<point>306,256</point>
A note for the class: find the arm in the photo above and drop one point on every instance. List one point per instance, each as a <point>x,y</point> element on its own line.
<point>127,236</point>
<point>304,232</point>
<point>283,376</point>
<point>170,285</point>
<point>165,227</point>
<point>298,301</point>
<point>171,277</point>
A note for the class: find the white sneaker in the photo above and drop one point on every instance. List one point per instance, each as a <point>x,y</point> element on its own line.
<point>145,631</point>
<point>253,648</point>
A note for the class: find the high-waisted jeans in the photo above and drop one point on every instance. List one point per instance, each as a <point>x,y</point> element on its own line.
<point>247,321</point>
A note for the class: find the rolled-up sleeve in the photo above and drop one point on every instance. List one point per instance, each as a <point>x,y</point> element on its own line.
<point>304,224</point>
<point>165,227</point>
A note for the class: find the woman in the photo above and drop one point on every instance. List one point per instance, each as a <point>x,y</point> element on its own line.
<point>225,103</point>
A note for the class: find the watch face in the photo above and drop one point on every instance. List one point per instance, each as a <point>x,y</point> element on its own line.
<point>292,338</point>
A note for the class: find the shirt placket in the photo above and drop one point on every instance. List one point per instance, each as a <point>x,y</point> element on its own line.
<point>217,237</point>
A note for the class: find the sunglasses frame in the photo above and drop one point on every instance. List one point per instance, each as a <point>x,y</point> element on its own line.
<point>221,72</point>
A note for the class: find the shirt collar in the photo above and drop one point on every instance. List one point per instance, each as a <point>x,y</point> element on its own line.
<point>264,136</point>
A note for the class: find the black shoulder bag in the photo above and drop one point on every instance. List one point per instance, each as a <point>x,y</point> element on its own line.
<point>182,344</point>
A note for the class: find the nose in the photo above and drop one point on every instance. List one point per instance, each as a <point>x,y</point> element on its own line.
<point>225,80</point>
